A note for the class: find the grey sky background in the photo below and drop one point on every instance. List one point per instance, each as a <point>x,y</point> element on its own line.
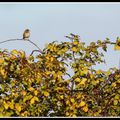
<point>49,22</point>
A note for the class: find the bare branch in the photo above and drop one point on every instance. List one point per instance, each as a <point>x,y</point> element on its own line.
<point>11,40</point>
<point>36,51</point>
<point>23,40</point>
<point>36,46</point>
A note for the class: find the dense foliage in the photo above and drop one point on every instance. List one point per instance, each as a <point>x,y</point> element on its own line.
<point>59,82</point>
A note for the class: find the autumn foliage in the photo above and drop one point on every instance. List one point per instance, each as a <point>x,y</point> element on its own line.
<point>60,82</point>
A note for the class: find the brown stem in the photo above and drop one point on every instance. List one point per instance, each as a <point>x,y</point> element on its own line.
<point>35,51</point>
<point>23,40</point>
<point>112,43</point>
<point>36,46</point>
<point>10,40</point>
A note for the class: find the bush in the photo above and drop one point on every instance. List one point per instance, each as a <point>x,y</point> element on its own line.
<point>59,82</point>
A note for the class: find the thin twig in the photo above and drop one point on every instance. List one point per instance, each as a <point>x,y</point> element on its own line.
<point>23,40</point>
<point>10,40</point>
<point>34,51</point>
<point>112,43</point>
<point>36,46</point>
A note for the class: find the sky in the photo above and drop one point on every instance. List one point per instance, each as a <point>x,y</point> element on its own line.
<point>52,21</point>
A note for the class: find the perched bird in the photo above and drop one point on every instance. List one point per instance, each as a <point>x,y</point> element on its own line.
<point>26,34</point>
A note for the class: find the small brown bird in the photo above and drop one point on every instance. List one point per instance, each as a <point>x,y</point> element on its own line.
<point>26,34</point>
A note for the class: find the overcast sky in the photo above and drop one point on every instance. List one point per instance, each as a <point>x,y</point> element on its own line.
<point>52,21</point>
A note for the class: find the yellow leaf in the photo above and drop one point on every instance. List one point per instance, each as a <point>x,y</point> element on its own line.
<point>27,98</point>
<point>36,92</point>
<point>85,108</point>
<point>32,101</point>
<point>78,96</point>
<point>6,105</point>
<point>2,71</point>
<point>67,114</point>
<point>36,98</point>
<point>77,80</point>
<point>82,103</point>
<point>107,72</point>
<point>67,102</point>
<point>74,115</point>
<point>115,102</point>
<point>14,51</point>
<point>83,81</point>
<point>25,113</point>
<point>6,58</point>
<point>91,76</point>
<point>46,93</point>
<point>72,100</point>
<point>16,95</point>
<point>85,70</point>
<point>47,72</point>
<point>61,65</point>
<point>51,59</point>
<point>117,97</point>
<point>75,43</point>
<point>113,84</point>
<point>61,96</point>
<point>18,107</point>
<point>65,49</point>
<point>74,49</point>
<point>59,52</point>
<point>1,61</point>
<point>47,57</point>
<point>98,72</point>
<point>30,88</point>
<point>24,93</point>
<point>22,53</point>
<point>99,111</point>
<point>13,57</point>
<point>60,73</point>
<point>22,114</point>
<point>11,105</point>
<point>117,45</point>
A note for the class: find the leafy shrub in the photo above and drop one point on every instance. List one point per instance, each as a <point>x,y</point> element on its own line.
<point>43,85</point>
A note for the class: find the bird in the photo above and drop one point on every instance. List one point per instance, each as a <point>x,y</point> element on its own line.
<point>26,34</point>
